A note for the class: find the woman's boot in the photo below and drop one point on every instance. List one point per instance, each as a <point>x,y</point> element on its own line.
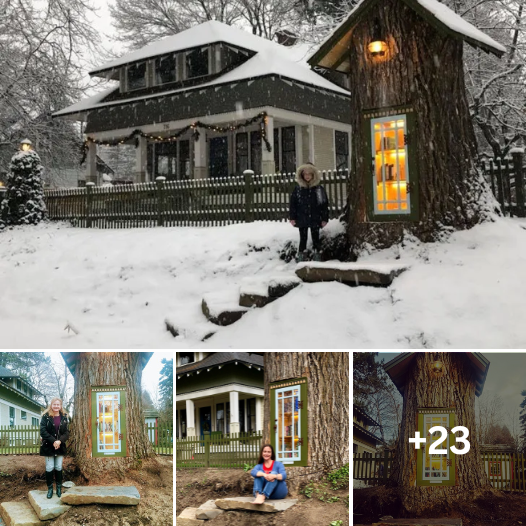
<point>49,483</point>
<point>58,479</point>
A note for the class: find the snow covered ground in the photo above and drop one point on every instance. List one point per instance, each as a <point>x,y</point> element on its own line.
<point>117,287</point>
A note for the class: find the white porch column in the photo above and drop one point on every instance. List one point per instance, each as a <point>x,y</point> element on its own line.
<point>234,412</point>
<point>91,163</point>
<point>259,414</point>
<point>299,145</point>
<point>268,165</point>
<point>200,168</point>
<point>140,160</point>
<point>312,157</point>
<point>190,418</point>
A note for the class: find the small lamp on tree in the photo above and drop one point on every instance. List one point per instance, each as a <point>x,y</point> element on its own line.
<point>26,145</point>
<point>377,47</point>
<point>437,367</point>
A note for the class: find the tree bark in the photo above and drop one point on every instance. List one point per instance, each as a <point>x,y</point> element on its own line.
<point>423,69</point>
<point>327,374</point>
<point>99,369</point>
<point>455,389</point>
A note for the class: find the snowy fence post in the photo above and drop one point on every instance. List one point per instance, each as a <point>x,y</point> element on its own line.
<point>249,195</point>
<point>89,202</point>
<point>517,155</point>
<point>160,199</point>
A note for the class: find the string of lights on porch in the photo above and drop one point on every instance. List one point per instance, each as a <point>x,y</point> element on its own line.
<point>208,369</point>
<point>262,118</point>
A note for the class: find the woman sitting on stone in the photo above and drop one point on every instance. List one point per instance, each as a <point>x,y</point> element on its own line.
<point>269,477</point>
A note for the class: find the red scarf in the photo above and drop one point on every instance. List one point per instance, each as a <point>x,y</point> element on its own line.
<point>268,470</point>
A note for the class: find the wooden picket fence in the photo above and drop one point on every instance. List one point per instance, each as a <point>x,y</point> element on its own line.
<point>194,202</point>
<point>231,450</point>
<point>506,471</point>
<point>20,440</point>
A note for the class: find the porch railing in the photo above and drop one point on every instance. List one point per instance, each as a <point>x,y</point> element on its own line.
<point>195,202</point>
<point>506,471</point>
<point>232,450</point>
<point>20,440</point>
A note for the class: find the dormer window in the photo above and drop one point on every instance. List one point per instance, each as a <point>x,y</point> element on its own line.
<point>197,63</point>
<point>165,70</point>
<point>136,76</point>
<point>19,385</point>
<point>186,357</point>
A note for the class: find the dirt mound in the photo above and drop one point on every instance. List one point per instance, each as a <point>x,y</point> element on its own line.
<point>194,487</point>
<point>154,479</point>
<point>502,508</point>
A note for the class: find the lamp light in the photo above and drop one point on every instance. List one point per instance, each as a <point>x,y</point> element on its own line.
<point>26,145</point>
<point>438,366</point>
<point>377,47</point>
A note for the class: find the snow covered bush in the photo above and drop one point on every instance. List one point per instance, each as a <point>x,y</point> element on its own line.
<point>23,202</point>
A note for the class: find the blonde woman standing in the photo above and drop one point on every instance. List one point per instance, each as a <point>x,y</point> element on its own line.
<point>54,432</point>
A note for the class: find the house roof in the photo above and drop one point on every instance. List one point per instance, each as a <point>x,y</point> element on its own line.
<point>7,373</point>
<point>71,359</point>
<point>333,48</point>
<point>398,367</point>
<point>222,358</point>
<point>358,429</point>
<point>366,419</point>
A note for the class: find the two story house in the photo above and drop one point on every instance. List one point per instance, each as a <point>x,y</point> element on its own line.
<point>218,392</point>
<point>214,100</point>
<point>363,440</point>
<point>19,401</point>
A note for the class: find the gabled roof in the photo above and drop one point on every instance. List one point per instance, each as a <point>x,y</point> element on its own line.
<point>359,430</point>
<point>222,358</point>
<point>366,419</point>
<point>332,50</point>
<point>7,373</point>
<point>398,367</point>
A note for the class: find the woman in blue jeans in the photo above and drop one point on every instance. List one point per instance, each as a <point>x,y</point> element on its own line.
<point>269,477</point>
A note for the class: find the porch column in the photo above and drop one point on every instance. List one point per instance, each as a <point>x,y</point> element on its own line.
<point>200,168</point>
<point>190,418</point>
<point>140,160</point>
<point>259,414</point>
<point>91,163</point>
<point>312,157</point>
<point>234,412</point>
<point>267,158</point>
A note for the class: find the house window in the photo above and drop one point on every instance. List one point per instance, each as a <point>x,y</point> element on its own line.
<point>288,149</point>
<point>355,448</point>
<point>136,76</point>
<point>25,388</point>
<point>494,469</point>
<point>165,70</point>
<point>341,147</point>
<point>251,415</point>
<point>197,63</point>
<point>184,159</point>
<point>255,151</point>
<point>166,160</point>
<point>34,421</point>
<point>231,57</point>
<point>23,415</point>
<point>19,385</point>
<point>182,413</point>
<point>220,418</point>
<point>241,152</point>
<point>11,417</point>
<point>390,167</point>
<point>186,357</point>
<point>288,401</point>
<point>242,427</point>
<point>108,412</point>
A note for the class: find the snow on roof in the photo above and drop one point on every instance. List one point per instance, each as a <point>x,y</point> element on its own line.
<point>85,104</point>
<point>441,12</point>
<point>202,35</point>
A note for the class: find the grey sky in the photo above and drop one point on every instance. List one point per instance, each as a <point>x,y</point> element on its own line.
<point>506,377</point>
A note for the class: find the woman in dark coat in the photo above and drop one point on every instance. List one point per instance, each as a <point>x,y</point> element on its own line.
<point>309,208</point>
<point>54,432</point>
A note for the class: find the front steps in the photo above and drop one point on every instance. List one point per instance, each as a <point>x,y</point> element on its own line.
<point>38,509</point>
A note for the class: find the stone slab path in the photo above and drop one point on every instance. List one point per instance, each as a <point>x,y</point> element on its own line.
<point>45,508</point>
<point>127,495</point>
<point>245,503</point>
<point>419,522</point>
<point>19,514</point>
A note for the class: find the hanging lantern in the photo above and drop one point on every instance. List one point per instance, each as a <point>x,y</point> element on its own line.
<point>378,46</point>
<point>437,367</point>
<point>26,145</point>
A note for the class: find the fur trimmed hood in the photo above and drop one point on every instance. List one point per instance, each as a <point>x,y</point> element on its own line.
<point>316,180</point>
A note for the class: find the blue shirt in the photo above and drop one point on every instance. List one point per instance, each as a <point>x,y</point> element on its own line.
<point>281,490</point>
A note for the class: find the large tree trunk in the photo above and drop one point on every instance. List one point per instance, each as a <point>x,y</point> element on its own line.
<point>112,369</point>
<point>328,407</point>
<point>455,389</point>
<point>423,70</point>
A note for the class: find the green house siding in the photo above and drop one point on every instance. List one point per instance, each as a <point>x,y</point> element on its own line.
<point>228,374</point>
<point>10,395</point>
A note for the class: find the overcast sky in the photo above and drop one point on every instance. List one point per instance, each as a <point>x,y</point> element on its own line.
<point>506,376</point>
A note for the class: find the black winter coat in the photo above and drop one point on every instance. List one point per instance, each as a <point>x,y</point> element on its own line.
<point>49,436</point>
<point>309,206</point>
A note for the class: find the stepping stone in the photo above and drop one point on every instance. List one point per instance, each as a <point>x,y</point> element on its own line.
<point>188,518</point>
<point>19,514</point>
<point>208,511</point>
<point>419,522</point>
<point>222,308</point>
<point>281,285</point>
<point>254,294</point>
<point>127,495</point>
<point>245,503</point>
<point>379,274</point>
<point>46,508</point>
